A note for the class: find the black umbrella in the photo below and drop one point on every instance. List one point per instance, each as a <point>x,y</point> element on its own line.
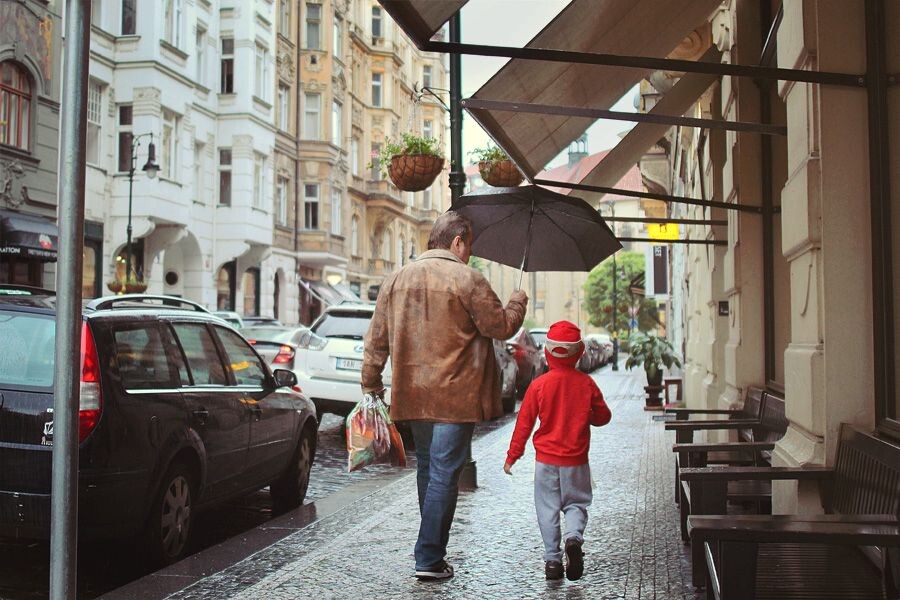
<point>536,229</point>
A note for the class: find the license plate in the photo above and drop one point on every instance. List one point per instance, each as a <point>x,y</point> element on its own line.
<point>349,364</point>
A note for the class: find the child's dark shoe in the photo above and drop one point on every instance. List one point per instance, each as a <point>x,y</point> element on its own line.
<point>574,559</point>
<point>553,569</point>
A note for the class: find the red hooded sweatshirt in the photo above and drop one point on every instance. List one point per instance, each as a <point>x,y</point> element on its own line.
<point>567,402</point>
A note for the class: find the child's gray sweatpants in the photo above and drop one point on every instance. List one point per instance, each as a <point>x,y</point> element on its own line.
<point>566,490</point>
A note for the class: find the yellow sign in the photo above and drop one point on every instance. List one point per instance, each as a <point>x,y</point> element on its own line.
<point>663,231</point>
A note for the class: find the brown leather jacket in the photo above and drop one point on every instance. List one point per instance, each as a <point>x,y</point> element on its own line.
<point>435,318</point>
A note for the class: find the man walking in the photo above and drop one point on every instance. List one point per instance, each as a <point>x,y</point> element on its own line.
<point>435,317</point>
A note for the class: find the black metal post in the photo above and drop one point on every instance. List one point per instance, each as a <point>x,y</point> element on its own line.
<point>615,331</point>
<point>128,228</point>
<point>64,478</point>
<point>457,170</point>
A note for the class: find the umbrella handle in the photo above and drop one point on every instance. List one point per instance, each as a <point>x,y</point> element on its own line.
<point>521,273</point>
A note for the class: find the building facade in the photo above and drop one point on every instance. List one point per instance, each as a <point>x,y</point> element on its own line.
<point>30,73</point>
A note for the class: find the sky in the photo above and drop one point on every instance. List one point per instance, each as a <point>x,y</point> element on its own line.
<point>514,23</point>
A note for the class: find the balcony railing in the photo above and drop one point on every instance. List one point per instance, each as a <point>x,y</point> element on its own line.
<point>321,241</point>
<point>379,266</point>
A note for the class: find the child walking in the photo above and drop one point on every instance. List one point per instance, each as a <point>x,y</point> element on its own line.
<point>567,402</point>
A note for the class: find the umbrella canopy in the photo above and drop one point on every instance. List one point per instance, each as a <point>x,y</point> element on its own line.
<point>536,229</point>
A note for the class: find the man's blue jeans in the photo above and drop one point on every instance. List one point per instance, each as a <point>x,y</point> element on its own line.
<point>441,453</point>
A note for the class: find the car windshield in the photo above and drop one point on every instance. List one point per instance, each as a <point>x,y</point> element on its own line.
<point>28,346</point>
<point>269,334</point>
<point>350,324</point>
<point>539,337</point>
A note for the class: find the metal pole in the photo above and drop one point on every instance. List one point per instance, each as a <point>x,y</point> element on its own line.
<point>457,171</point>
<point>64,490</point>
<point>615,275</point>
<point>128,228</point>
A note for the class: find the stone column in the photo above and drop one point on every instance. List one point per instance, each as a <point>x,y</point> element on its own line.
<point>825,215</point>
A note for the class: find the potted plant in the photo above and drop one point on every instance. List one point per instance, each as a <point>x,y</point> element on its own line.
<point>496,168</point>
<point>412,164</point>
<point>135,286</point>
<point>114,285</point>
<point>653,353</point>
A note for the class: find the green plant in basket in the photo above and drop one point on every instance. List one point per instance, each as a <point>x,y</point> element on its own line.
<point>408,145</point>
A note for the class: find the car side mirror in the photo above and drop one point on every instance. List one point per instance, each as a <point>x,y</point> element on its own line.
<point>285,378</point>
<point>510,349</point>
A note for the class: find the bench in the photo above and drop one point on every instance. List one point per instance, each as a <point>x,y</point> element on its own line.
<point>852,551</point>
<point>772,427</point>
<point>742,419</point>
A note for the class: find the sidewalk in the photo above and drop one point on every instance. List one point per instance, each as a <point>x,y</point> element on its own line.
<point>633,549</point>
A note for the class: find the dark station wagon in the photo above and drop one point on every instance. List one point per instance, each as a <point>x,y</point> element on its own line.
<point>177,411</point>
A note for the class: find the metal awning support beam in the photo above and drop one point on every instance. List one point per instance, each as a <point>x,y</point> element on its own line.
<point>598,113</point>
<point>665,221</point>
<point>651,64</point>
<point>687,241</point>
<point>770,47</point>
<point>650,195</point>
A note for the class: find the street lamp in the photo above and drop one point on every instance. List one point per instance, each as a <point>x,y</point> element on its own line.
<point>150,168</point>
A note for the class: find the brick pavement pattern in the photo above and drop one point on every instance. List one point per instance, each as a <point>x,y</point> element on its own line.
<point>632,544</point>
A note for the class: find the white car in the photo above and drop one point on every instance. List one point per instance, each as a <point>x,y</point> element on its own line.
<point>329,360</point>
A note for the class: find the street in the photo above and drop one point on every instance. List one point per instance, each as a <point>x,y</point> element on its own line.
<point>24,570</point>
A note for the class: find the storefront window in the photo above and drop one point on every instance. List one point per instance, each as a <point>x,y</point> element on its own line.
<point>89,273</point>
<point>250,287</point>
<point>225,287</point>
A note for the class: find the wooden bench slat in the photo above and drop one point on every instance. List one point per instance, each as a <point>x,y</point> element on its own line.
<point>711,424</point>
<point>765,531</point>
<point>724,447</point>
<point>759,473</point>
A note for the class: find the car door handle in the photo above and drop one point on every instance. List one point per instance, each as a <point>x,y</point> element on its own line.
<point>201,413</point>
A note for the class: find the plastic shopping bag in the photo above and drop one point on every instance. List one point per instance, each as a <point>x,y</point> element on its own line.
<point>371,435</point>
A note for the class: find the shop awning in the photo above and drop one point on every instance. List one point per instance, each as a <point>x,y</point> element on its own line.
<point>330,294</point>
<point>646,28</point>
<point>421,19</point>
<point>27,236</point>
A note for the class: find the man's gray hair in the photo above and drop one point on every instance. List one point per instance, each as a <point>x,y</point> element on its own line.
<point>445,229</point>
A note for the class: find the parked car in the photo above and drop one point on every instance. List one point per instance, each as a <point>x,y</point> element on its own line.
<point>605,344</point>
<point>328,363</point>
<point>509,373</point>
<point>230,317</point>
<point>593,348</point>
<point>256,320</point>
<point>177,411</point>
<point>528,358</point>
<point>540,336</point>
<point>277,345</point>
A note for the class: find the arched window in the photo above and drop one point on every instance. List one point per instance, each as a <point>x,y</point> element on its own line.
<point>354,236</point>
<point>15,105</point>
<point>387,245</point>
<point>401,251</point>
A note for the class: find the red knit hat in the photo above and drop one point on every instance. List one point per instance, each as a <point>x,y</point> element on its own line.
<point>563,340</point>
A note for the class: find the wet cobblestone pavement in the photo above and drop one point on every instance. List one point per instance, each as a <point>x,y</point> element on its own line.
<point>633,549</point>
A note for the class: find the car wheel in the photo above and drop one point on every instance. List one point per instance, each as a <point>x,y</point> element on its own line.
<point>171,516</point>
<point>289,490</point>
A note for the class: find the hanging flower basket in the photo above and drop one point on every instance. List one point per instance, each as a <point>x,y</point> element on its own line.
<point>135,287</point>
<point>114,285</point>
<point>500,173</point>
<point>414,172</point>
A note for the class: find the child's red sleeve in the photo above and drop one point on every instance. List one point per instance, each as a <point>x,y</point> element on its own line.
<point>524,424</point>
<point>600,413</point>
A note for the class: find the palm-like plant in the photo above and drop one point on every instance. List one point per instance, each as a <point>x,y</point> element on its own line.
<point>653,353</point>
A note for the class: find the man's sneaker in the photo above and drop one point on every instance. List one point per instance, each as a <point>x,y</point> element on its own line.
<point>574,559</point>
<point>553,569</point>
<point>442,570</point>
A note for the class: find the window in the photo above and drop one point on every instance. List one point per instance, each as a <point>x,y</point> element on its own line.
<point>225,176</point>
<point>426,76</point>
<point>336,112</point>
<point>198,172</point>
<point>129,14</point>
<point>376,22</point>
<point>354,236</point>
<point>15,105</point>
<point>28,346</point>
<point>426,199</point>
<point>173,16</point>
<point>312,117</point>
<point>168,162</point>
<point>94,103</point>
<point>376,88</point>
<point>284,116</point>
<point>262,72</point>
<point>336,208</point>
<point>284,17</point>
<point>313,24</point>
<point>241,360</point>
<point>376,170</point>
<point>428,129</point>
<point>146,357</point>
<point>354,156</point>
<point>250,287</point>
<point>125,138</point>
<point>200,58</point>
<point>387,245</point>
<point>401,251</point>
<point>311,206</point>
<point>225,291</point>
<point>281,201</point>
<point>337,37</point>
<point>259,179</point>
<point>200,352</point>
<point>226,84</point>
<point>97,13</point>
